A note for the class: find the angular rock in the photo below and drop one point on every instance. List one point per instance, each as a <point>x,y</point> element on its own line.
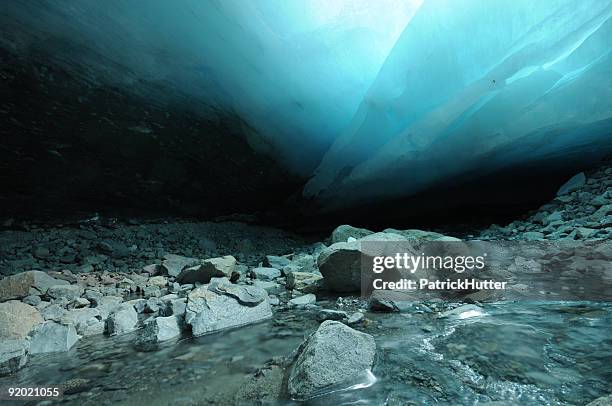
<point>160,281</point>
<point>209,268</point>
<point>333,355</point>
<point>20,285</point>
<point>355,318</point>
<point>53,312</point>
<point>70,292</point>
<point>304,281</point>
<point>107,304</point>
<point>13,355</point>
<point>174,264</point>
<point>274,261</point>
<point>265,274</point>
<point>122,320</point>
<point>52,337</point>
<point>602,401</point>
<point>222,305</point>
<point>161,329</point>
<point>175,307</point>
<point>344,232</point>
<point>382,305</point>
<point>32,300</point>
<point>576,182</point>
<point>328,314</point>
<point>303,300</point>
<point>17,319</point>
<point>87,321</point>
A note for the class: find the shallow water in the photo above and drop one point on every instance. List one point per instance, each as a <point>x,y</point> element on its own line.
<point>553,353</point>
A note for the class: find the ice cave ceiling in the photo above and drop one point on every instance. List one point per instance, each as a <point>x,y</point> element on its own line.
<point>357,99</point>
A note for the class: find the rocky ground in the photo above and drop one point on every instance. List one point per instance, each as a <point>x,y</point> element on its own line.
<point>159,283</point>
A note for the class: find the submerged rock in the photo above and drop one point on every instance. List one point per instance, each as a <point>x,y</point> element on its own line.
<point>17,319</point>
<point>27,283</point>
<point>209,268</point>
<point>222,305</point>
<point>13,355</point>
<point>52,337</point>
<point>333,355</point>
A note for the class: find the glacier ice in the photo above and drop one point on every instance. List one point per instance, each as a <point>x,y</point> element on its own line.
<point>365,98</point>
<point>475,86</point>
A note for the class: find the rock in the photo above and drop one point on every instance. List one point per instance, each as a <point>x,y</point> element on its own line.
<point>13,355</point>
<point>304,281</point>
<point>343,232</point>
<point>327,314</point>
<point>303,300</point>
<point>221,305</point>
<point>52,337</point>
<point>20,285</point>
<point>266,285</point>
<point>355,318</point>
<point>32,300</point>
<point>161,329</point>
<point>333,355</point>
<point>87,321</point>
<point>602,401</point>
<point>175,307</point>
<point>382,305</point>
<point>576,182</point>
<point>463,312</point>
<point>554,216</point>
<point>151,291</point>
<point>122,320</point>
<point>80,302</point>
<point>53,312</point>
<point>153,305</point>
<point>273,261</point>
<point>533,236</point>
<point>265,274</point>
<point>70,292</point>
<point>174,264</point>
<point>17,319</point>
<point>107,304</point>
<point>139,304</point>
<point>160,281</point>
<point>209,268</point>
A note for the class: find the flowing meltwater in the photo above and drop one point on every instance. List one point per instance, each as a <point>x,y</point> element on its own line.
<point>538,353</point>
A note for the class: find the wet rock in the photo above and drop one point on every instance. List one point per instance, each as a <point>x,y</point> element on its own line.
<point>333,355</point>
<point>463,312</point>
<point>52,337</point>
<point>13,355</point>
<point>344,232</point>
<point>265,274</point>
<point>209,268</point>
<point>304,281</point>
<point>303,300</point>
<point>161,329</point>
<point>139,304</point>
<point>17,319</point>
<point>355,318</point>
<point>76,385</point>
<point>70,292</point>
<point>328,314</point>
<point>26,283</point>
<point>122,320</point>
<point>602,401</point>
<point>575,183</point>
<point>221,305</point>
<point>381,305</point>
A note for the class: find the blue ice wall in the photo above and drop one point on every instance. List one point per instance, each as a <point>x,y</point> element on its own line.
<point>369,98</point>
<point>473,86</point>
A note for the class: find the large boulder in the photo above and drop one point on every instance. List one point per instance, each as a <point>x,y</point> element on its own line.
<point>208,269</point>
<point>333,355</point>
<point>222,305</point>
<point>13,355</point>
<point>17,319</point>
<point>27,283</point>
<point>52,337</point>
<point>161,329</point>
<point>344,232</point>
<point>340,263</point>
<point>122,320</point>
